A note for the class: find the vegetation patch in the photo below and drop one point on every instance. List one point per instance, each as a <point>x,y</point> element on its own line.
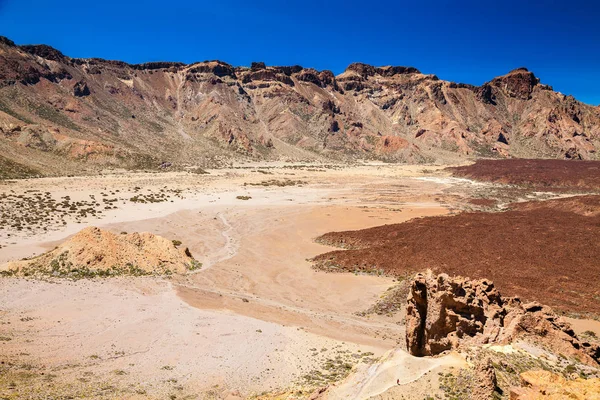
<point>13,170</point>
<point>277,182</point>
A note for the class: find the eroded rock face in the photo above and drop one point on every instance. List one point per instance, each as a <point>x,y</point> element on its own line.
<point>418,116</point>
<point>445,313</point>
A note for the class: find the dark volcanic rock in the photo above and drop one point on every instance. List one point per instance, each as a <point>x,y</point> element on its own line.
<point>438,94</point>
<point>502,138</point>
<point>485,94</point>
<point>334,127</point>
<point>6,41</point>
<point>364,70</point>
<point>158,65</point>
<point>397,70</point>
<point>217,68</point>
<point>80,89</point>
<point>44,51</point>
<point>257,66</point>
<point>294,69</point>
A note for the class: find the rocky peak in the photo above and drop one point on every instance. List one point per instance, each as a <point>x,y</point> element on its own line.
<point>322,78</point>
<point>153,65</point>
<point>6,41</point>
<point>518,83</point>
<point>396,70</point>
<point>364,70</point>
<point>218,68</point>
<point>256,66</point>
<point>289,70</point>
<point>44,51</point>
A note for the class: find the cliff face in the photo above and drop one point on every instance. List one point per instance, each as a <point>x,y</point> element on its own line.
<point>61,114</point>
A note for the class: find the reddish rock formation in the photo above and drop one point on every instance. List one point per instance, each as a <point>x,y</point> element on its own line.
<point>182,109</point>
<point>445,313</point>
<point>486,384</point>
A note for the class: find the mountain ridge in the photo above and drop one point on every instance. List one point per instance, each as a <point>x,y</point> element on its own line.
<point>61,115</point>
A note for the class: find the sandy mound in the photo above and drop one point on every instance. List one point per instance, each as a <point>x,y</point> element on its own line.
<point>95,252</point>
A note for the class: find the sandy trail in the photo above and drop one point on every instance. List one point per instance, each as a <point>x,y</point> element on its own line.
<point>396,368</point>
<point>228,250</point>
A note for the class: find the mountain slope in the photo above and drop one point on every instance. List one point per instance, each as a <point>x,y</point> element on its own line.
<point>64,115</point>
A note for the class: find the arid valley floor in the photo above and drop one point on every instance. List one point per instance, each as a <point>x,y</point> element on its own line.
<point>257,319</point>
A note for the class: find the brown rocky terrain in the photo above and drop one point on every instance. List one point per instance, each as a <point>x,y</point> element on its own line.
<point>62,115</point>
<point>545,385</point>
<point>544,251</point>
<point>94,252</point>
<point>445,312</point>
<point>543,174</point>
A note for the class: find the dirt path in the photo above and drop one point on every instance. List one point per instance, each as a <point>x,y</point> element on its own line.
<point>228,250</point>
<point>394,370</point>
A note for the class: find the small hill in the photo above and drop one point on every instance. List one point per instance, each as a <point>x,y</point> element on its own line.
<point>94,252</point>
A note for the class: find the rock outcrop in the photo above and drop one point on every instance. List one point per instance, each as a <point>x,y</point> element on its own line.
<point>81,89</point>
<point>95,252</point>
<point>445,313</point>
<point>545,385</point>
<point>486,384</point>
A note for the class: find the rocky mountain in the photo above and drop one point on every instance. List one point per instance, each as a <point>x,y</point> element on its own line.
<point>66,115</point>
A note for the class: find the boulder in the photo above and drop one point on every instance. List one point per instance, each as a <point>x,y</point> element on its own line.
<point>486,385</point>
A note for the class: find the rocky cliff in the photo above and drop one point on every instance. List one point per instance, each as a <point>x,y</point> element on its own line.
<point>60,114</point>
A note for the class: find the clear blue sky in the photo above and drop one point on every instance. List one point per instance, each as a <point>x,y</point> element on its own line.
<point>465,41</point>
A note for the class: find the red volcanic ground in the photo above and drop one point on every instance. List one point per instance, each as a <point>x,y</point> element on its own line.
<point>546,251</point>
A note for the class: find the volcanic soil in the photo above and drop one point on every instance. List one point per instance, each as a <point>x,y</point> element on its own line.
<point>549,174</point>
<point>539,250</point>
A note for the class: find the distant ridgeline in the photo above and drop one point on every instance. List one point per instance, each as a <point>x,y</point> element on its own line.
<point>61,115</point>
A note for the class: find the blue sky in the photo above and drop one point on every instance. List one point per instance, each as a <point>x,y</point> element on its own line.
<point>463,41</point>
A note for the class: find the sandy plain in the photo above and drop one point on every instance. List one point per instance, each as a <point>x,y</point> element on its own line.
<point>255,319</point>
